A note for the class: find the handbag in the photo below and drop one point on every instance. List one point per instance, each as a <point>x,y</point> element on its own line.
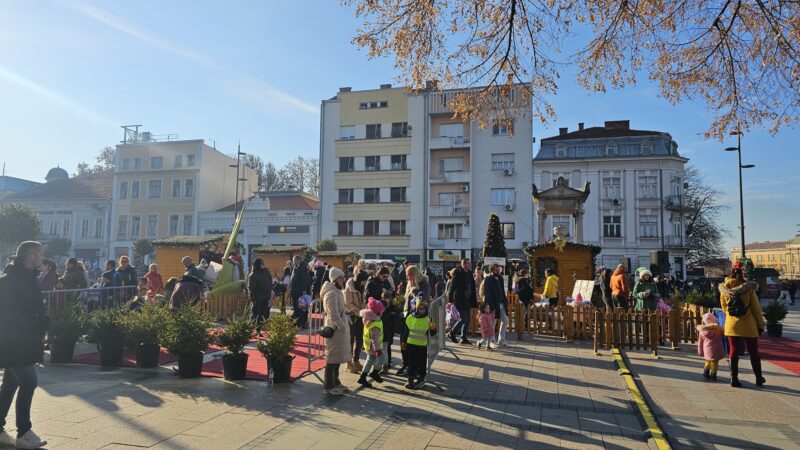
<point>327,332</point>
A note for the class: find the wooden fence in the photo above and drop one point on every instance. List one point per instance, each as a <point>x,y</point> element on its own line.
<point>227,305</point>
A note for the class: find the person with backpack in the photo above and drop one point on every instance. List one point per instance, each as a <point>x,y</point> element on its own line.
<point>744,322</point>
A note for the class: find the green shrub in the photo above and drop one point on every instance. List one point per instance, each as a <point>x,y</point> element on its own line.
<point>105,323</point>
<point>704,299</point>
<point>281,336</point>
<point>145,326</point>
<point>187,330</point>
<point>775,311</point>
<point>67,324</point>
<point>236,334</point>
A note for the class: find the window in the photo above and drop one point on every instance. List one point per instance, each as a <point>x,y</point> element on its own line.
<point>188,187</point>
<point>347,132</point>
<point>502,197</point>
<point>154,189</point>
<point>372,195</point>
<point>648,226</point>
<point>173,224</point>
<point>374,131</point>
<point>676,186</point>
<point>98,228</point>
<point>134,189</point>
<point>451,165</point>
<point>503,161</point>
<point>156,162</point>
<point>561,151</point>
<point>612,226</point>
<point>612,187</point>
<point>676,230</point>
<point>136,227</point>
<point>397,227</point>
<point>509,230</point>
<point>65,230</point>
<point>399,129</point>
<point>399,162</point>
<point>345,196</point>
<point>371,105</point>
<point>556,176</point>
<point>188,225</point>
<point>450,230</point>
<point>648,187</point>
<point>152,226</point>
<point>122,228</point>
<point>345,228</point>
<point>178,161</point>
<point>371,228</point>
<point>346,164</point>
<point>562,221</point>
<point>647,148</point>
<point>85,228</point>
<point>123,190</point>
<point>503,127</point>
<point>397,194</point>
<point>126,164</point>
<point>189,160</point>
<point>137,163</point>
<point>611,150</point>
<point>372,163</point>
<point>452,130</point>
<point>53,228</point>
<point>176,188</point>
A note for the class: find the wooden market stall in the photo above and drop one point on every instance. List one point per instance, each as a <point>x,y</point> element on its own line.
<point>338,258</point>
<point>275,258</point>
<point>170,251</point>
<point>571,262</point>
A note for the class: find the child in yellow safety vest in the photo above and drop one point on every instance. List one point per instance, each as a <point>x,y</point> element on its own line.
<point>415,341</point>
<point>373,342</point>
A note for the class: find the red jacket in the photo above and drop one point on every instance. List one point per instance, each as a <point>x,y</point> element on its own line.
<point>619,284</point>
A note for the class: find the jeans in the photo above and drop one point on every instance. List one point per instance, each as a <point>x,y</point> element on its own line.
<point>374,362</point>
<point>503,316</point>
<point>462,326</point>
<point>357,338</point>
<point>24,380</point>
<point>332,376</point>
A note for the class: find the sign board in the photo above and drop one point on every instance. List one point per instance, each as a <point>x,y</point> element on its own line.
<point>489,260</point>
<point>585,288</point>
<point>288,229</point>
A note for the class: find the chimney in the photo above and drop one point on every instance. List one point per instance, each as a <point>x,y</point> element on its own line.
<point>345,89</point>
<point>386,86</point>
<point>618,124</point>
<point>563,131</point>
<point>580,126</point>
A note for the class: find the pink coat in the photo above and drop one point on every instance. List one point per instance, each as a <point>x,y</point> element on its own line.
<point>487,324</point>
<point>709,342</point>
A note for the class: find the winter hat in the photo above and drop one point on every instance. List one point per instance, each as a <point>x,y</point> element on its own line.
<point>645,272</point>
<point>375,306</point>
<point>335,273</point>
<point>318,263</point>
<point>709,318</point>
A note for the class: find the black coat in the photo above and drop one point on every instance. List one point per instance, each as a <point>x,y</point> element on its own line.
<point>494,293</point>
<point>259,285</point>
<point>301,279</point>
<point>375,288</point>
<point>22,318</point>
<point>525,290</point>
<point>462,290</point>
<point>128,276</point>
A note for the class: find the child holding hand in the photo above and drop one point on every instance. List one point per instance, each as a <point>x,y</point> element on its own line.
<point>373,342</point>
<point>486,320</point>
<point>709,345</point>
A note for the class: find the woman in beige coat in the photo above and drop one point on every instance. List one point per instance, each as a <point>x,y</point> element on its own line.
<point>337,348</point>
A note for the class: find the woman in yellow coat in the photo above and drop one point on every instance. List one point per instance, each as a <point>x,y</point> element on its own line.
<point>742,328</point>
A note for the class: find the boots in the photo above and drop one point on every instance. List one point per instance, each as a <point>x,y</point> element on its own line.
<point>362,380</point>
<point>376,375</point>
<point>756,363</point>
<point>706,373</point>
<point>735,372</point>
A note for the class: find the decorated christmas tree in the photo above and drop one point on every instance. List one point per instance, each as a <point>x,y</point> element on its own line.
<point>495,245</point>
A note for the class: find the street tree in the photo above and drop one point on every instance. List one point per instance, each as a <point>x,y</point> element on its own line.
<point>141,249</point>
<point>104,164</point>
<point>18,223</point>
<point>704,230</point>
<point>326,245</point>
<point>57,247</point>
<point>740,57</point>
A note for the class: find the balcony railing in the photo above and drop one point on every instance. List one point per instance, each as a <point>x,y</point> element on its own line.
<point>674,241</point>
<point>448,142</point>
<point>448,211</point>
<point>452,177</point>
<point>674,202</point>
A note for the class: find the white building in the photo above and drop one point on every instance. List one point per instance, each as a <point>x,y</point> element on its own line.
<point>636,201</point>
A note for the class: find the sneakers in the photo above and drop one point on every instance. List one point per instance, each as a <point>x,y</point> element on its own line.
<point>501,344</point>
<point>479,345</point>
<point>452,338</point>
<point>401,371</point>
<point>375,375</point>
<point>409,385</point>
<point>420,383</point>
<point>7,440</point>
<point>30,440</point>
<point>332,391</point>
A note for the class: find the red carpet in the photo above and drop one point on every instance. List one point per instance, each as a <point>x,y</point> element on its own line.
<point>782,352</point>
<point>257,364</point>
<point>129,357</point>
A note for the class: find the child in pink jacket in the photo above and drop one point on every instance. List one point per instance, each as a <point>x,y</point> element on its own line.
<point>709,345</point>
<point>486,320</point>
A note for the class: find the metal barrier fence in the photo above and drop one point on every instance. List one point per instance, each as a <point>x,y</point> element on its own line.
<point>316,343</point>
<point>88,299</point>
<point>437,312</point>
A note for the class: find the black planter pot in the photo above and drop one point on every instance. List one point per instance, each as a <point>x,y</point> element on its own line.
<point>190,366</point>
<point>774,329</point>
<point>234,367</point>
<point>110,351</point>
<point>147,355</point>
<point>281,369</point>
<point>61,350</point>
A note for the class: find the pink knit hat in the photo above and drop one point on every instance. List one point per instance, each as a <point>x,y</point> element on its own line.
<point>375,306</point>
<point>709,318</point>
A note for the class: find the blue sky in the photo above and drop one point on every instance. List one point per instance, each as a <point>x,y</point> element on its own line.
<point>72,72</point>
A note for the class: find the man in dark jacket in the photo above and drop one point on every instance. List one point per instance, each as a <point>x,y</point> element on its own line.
<point>463,293</point>
<point>259,287</point>
<point>495,295</point>
<point>128,279</point>
<point>22,326</point>
<point>300,284</point>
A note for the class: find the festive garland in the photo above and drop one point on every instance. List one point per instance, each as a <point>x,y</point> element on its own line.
<point>594,249</point>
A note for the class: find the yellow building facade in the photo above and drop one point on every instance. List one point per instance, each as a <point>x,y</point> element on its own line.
<point>782,256</point>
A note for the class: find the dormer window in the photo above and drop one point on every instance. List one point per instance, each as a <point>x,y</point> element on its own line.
<point>611,150</point>
<point>647,148</point>
<point>561,151</point>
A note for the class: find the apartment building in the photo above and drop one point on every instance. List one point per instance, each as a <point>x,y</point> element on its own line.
<point>159,188</point>
<point>636,180</point>
<point>783,256</point>
<point>402,180</point>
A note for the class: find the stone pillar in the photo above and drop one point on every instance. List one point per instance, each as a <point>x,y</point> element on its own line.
<point>578,216</point>
<point>542,215</point>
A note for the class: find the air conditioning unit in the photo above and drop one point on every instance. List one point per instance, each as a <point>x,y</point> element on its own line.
<point>508,172</point>
<point>615,202</point>
<point>465,188</point>
<point>509,207</point>
<point>466,222</point>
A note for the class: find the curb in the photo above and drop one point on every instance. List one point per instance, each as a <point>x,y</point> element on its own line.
<point>644,409</point>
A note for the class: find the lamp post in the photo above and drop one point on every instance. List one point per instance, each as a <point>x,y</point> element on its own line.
<point>738,150</point>
<point>239,155</point>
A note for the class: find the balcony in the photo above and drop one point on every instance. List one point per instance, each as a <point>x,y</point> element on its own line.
<point>436,143</point>
<point>449,244</point>
<point>674,202</point>
<point>452,177</point>
<point>674,242</point>
<point>448,211</point>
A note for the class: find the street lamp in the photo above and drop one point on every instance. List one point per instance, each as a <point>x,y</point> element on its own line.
<point>738,150</point>
<point>239,154</point>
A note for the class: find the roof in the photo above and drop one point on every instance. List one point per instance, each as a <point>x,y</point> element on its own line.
<point>56,173</point>
<point>95,186</point>
<point>188,241</point>
<point>283,201</point>
<point>766,245</point>
<point>602,132</point>
<point>278,249</point>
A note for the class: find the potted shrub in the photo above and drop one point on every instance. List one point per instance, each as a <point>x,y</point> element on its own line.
<point>774,312</point>
<point>234,337</point>
<point>65,328</point>
<point>142,331</point>
<point>186,334</point>
<point>105,331</point>
<point>278,346</point>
